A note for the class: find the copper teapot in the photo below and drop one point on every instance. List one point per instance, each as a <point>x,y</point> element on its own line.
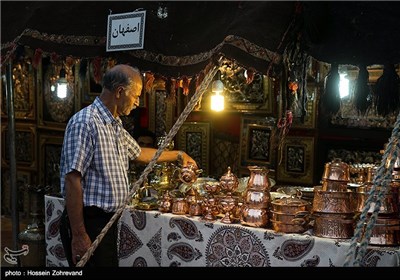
<point>189,173</point>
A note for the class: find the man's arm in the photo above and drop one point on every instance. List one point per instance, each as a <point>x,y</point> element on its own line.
<point>166,156</point>
<point>74,203</point>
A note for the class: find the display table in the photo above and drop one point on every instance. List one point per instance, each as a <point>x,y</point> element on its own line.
<point>151,238</point>
<point>55,256</point>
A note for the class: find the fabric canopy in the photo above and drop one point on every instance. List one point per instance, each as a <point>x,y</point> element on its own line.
<point>253,33</point>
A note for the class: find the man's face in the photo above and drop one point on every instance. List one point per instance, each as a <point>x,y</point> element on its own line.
<point>130,98</point>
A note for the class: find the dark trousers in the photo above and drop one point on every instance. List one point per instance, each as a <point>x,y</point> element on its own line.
<point>106,253</point>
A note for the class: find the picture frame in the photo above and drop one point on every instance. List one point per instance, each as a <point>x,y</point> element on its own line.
<point>25,148</point>
<point>161,113</point>
<point>24,86</point>
<point>257,141</point>
<point>54,112</point>
<point>245,89</point>
<point>50,146</point>
<point>194,139</point>
<point>90,89</point>
<point>297,165</point>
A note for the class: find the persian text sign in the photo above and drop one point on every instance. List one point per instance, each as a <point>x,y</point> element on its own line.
<point>126,31</point>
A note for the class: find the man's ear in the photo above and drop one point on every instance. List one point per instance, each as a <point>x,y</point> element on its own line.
<point>119,91</point>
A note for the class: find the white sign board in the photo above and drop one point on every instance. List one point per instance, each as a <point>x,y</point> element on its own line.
<point>125,31</point>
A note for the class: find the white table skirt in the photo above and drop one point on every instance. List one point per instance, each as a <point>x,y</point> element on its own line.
<point>151,238</point>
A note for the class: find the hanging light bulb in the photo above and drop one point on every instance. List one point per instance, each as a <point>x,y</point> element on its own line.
<point>62,84</point>
<point>217,100</point>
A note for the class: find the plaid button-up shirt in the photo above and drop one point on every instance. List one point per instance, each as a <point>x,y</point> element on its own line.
<point>97,145</point>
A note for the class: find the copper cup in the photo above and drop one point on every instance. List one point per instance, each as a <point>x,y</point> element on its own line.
<point>180,206</point>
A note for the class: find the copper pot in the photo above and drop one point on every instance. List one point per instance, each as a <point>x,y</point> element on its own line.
<point>299,218</point>
<point>332,202</point>
<point>389,205</point>
<point>290,205</point>
<point>288,228</point>
<point>385,232</point>
<point>333,225</point>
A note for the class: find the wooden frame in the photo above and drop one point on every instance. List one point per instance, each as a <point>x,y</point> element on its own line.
<point>240,94</point>
<point>25,146</point>
<point>50,154</point>
<point>194,139</point>
<point>54,113</point>
<point>24,92</point>
<point>297,164</point>
<point>161,113</point>
<point>257,141</point>
<point>89,89</point>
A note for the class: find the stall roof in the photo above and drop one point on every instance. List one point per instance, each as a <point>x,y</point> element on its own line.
<point>183,42</point>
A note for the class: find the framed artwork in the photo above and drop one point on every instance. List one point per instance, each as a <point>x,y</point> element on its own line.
<point>257,141</point>
<point>244,89</point>
<point>161,113</point>
<point>91,87</point>
<point>297,163</point>
<point>50,154</point>
<point>24,91</point>
<point>25,146</point>
<point>194,139</point>
<point>54,112</point>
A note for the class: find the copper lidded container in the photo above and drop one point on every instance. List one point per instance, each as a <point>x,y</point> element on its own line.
<point>290,215</point>
<point>336,176</point>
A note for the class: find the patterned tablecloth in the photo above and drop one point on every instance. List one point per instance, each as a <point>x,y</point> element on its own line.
<point>151,238</point>
<point>54,206</point>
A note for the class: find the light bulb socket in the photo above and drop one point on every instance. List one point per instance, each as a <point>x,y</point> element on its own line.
<point>217,86</point>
